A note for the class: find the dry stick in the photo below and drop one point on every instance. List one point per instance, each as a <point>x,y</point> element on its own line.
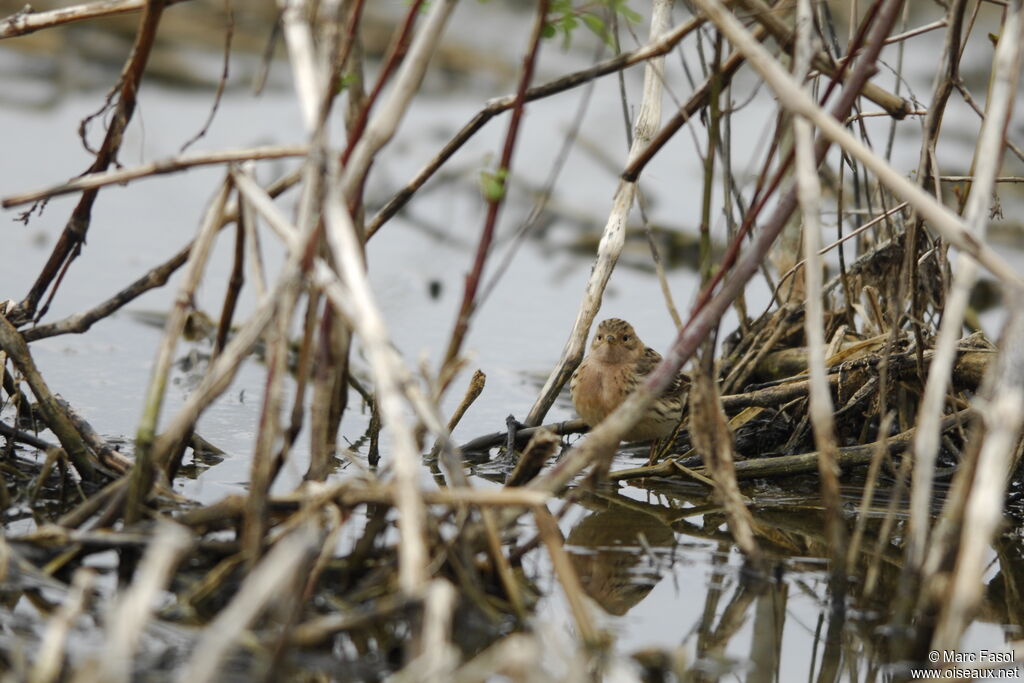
<point>1002,409</point>
<point>358,295</point>
<point>54,416</point>
<point>613,235</point>
<point>135,607</point>
<point>81,322</point>
<point>495,196</point>
<point>437,657</point>
<point>868,495</point>
<point>349,495</point>
<point>50,657</point>
<point>894,105</point>
<point>476,386</point>
<point>262,470</point>
<point>395,51</point>
<point>968,178</point>
<point>517,656</point>
<point>73,236</point>
<point>121,176</point>
<point>229,32</point>
<point>303,371</point>
<point>109,456</point>
<point>947,223</point>
<point>969,99</point>
<point>820,404</point>
<point>266,582</point>
<point>368,322</point>
<point>347,42</point>
<point>549,532</point>
<point>311,78</point>
<point>987,160</point>
<point>385,122</point>
<point>27,21</point>
<point>603,439</point>
<point>480,443</point>
<point>235,284</point>
<point>655,48</point>
<point>18,436</point>
<point>247,219</point>
<point>711,437</point>
<point>501,563</point>
<point>326,278</point>
<point>143,472</point>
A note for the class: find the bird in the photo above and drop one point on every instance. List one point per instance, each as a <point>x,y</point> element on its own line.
<point>617,363</point>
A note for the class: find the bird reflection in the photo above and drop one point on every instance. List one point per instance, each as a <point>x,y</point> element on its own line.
<point>612,561</point>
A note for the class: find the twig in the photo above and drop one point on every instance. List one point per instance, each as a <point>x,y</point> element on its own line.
<point>1003,411</point>
<point>120,176</point>
<point>50,657</point>
<point>820,405</point>
<point>476,386</point>
<point>23,22</point>
<point>267,582</point>
<point>145,467</point>
<point>134,608</point>
<point>495,197</point>
<point>58,422</point>
<point>480,443</point>
<point>73,236</point>
<point>654,48</point>
<point>987,161</point>
<point>552,537</point>
<point>613,235</point>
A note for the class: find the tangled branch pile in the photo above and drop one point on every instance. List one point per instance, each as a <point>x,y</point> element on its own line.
<point>835,374</point>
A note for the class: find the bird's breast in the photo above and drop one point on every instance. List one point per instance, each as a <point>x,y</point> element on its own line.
<point>598,389</point>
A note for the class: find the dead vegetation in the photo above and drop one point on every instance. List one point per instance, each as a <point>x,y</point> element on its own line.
<point>870,372</point>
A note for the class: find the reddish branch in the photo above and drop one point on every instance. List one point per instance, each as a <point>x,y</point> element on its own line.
<point>706,316</point>
<point>70,243</point>
<point>395,53</point>
<point>494,200</point>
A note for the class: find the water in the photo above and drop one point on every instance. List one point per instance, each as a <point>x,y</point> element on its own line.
<point>657,563</point>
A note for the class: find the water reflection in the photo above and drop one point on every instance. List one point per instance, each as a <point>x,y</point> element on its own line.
<point>796,622</point>
<point>611,550</point>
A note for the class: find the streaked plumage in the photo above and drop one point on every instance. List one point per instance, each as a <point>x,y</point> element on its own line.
<point>618,361</point>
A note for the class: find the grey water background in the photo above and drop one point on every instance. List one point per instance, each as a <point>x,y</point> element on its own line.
<point>516,336</point>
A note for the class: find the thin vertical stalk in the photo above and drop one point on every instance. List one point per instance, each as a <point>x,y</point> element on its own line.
<point>613,236</point>
<point>495,198</point>
<point>145,437</point>
<point>987,162</point>
<point>820,405</point>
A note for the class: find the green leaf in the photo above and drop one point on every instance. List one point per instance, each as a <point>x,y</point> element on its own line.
<point>493,184</point>
<point>630,15</point>
<point>598,27</point>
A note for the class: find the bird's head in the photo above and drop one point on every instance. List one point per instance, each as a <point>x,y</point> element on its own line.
<point>616,342</point>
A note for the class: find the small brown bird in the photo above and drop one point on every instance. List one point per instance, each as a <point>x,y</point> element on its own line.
<point>617,363</point>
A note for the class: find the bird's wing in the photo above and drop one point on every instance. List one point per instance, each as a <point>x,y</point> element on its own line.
<point>649,361</point>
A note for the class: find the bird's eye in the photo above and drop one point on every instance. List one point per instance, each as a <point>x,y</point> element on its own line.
<point>600,337</point>
<point>625,337</point>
